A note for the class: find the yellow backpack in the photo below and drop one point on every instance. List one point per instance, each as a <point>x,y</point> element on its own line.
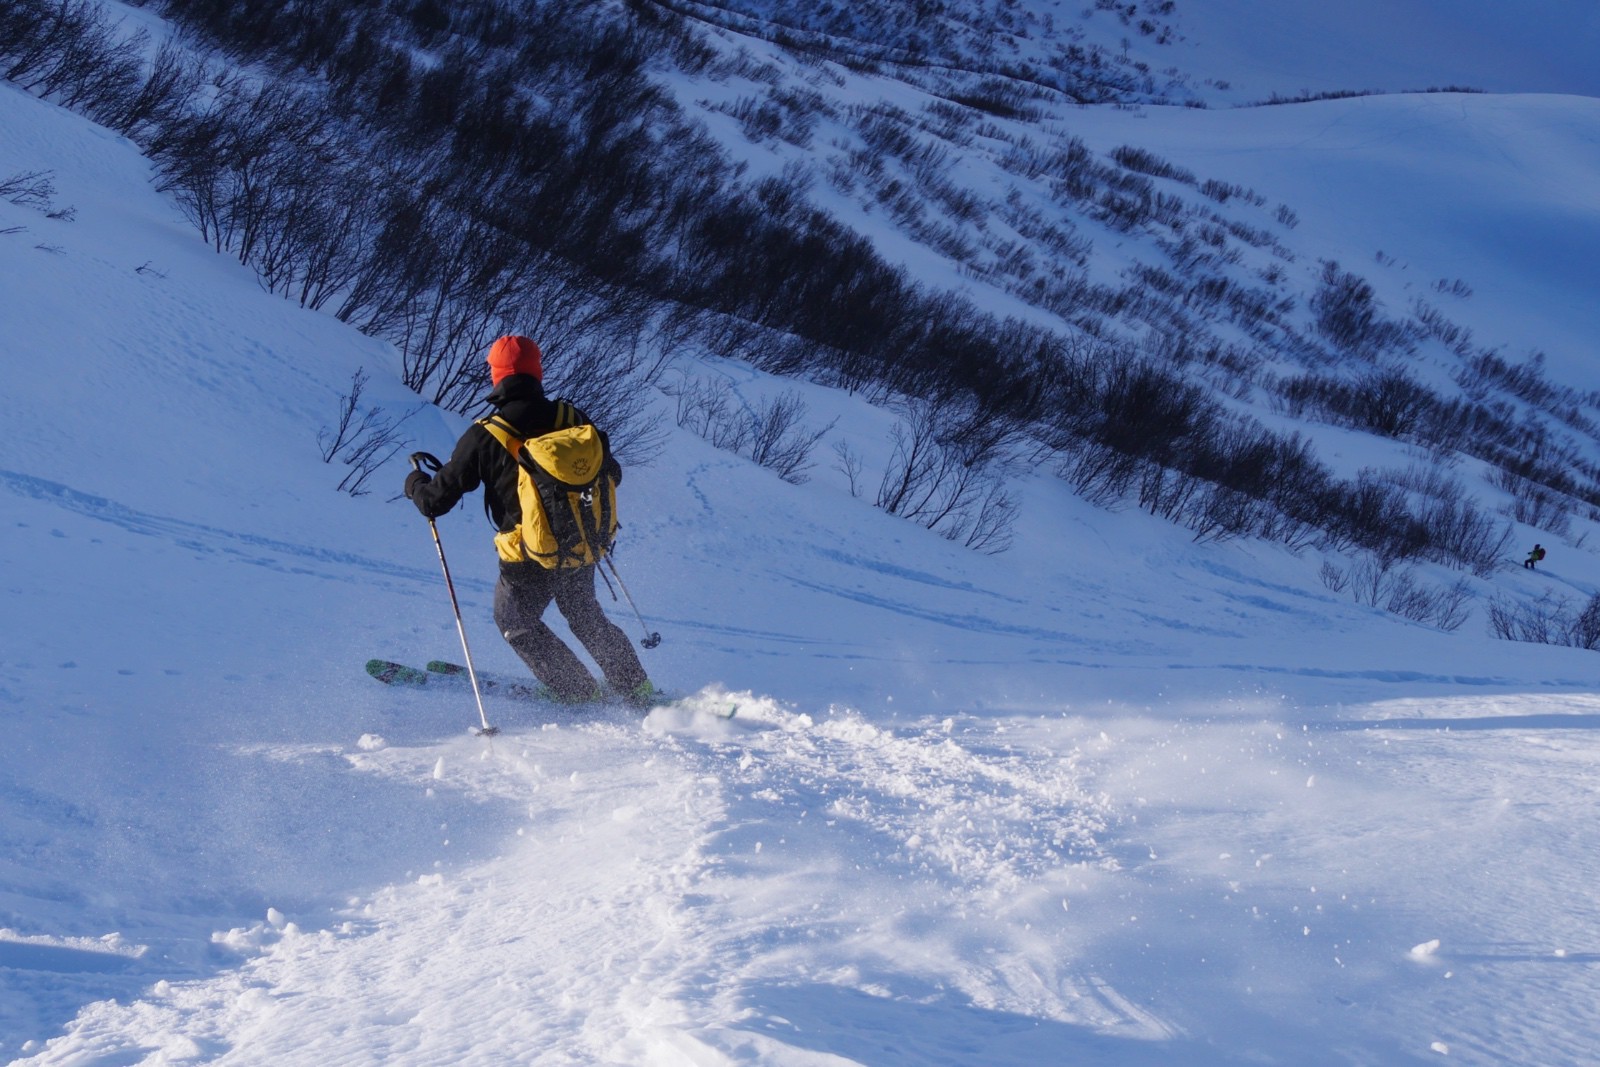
<point>569,503</point>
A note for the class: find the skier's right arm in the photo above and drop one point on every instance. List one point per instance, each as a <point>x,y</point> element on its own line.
<point>458,477</point>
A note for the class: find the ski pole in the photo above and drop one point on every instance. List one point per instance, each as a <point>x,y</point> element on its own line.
<point>651,639</point>
<point>418,461</point>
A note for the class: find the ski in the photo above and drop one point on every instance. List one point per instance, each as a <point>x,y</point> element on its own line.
<point>493,684</point>
<point>446,669</point>
<point>391,673</point>
<point>443,674</point>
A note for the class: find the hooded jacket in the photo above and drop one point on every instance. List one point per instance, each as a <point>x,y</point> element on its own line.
<point>479,459</point>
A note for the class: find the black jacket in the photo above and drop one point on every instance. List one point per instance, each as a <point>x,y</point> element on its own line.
<point>479,459</point>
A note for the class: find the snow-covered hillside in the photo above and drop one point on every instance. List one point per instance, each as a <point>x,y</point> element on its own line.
<point>1263,49</point>
<point>1110,797</point>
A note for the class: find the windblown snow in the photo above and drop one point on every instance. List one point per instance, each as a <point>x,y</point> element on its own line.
<point>1111,797</point>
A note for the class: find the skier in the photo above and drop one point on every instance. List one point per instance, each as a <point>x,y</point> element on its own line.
<point>1534,557</point>
<point>525,588</point>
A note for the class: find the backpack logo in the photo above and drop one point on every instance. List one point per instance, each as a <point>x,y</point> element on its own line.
<point>568,505</point>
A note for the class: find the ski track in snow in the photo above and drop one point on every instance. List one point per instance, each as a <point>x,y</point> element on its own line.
<point>238,547</point>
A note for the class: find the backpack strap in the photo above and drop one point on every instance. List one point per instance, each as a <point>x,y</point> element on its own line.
<point>504,432</point>
<point>568,416</point>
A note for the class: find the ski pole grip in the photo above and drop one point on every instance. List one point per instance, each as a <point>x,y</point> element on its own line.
<point>420,460</point>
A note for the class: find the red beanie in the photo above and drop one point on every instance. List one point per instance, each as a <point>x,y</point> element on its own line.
<point>514,355</point>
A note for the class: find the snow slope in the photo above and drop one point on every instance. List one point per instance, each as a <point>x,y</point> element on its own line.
<point>1411,190</point>
<point>1261,48</point>
<point>1111,797</point>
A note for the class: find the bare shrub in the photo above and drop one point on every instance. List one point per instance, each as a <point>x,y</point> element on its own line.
<point>771,435</point>
<point>947,473</point>
<point>1387,402</point>
<point>363,440</point>
<point>1379,583</point>
<point>1101,475</point>
<point>608,370</point>
<point>1334,577</point>
<point>1146,162</point>
<point>34,188</point>
<point>1548,620</point>
<point>1534,504</point>
<point>779,441</point>
<point>705,409</point>
<point>1459,534</point>
<point>848,462</point>
<point>1347,314</point>
<point>988,525</point>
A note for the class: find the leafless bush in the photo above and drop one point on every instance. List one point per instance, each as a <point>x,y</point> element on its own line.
<point>34,188</point>
<point>1379,583</point>
<point>1549,620</point>
<point>51,47</point>
<point>1334,577</point>
<point>1431,480</point>
<point>779,441</point>
<point>1146,162</point>
<point>771,435</point>
<point>1534,504</point>
<point>363,440</point>
<point>848,462</point>
<point>1101,475</point>
<point>989,523</point>
<point>705,409</point>
<point>1462,535</point>
<point>166,90</point>
<point>1388,402</point>
<point>947,473</point>
<point>1347,313</point>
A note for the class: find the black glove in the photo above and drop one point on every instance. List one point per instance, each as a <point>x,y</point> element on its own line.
<point>414,481</point>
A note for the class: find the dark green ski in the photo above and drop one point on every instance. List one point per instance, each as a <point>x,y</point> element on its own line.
<point>441,674</point>
<point>659,700</point>
<point>391,673</point>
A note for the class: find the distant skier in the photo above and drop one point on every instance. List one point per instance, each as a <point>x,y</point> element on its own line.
<point>1534,557</point>
<point>526,585</point>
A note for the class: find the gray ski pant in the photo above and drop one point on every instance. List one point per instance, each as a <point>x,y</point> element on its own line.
<point>521,596</point>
